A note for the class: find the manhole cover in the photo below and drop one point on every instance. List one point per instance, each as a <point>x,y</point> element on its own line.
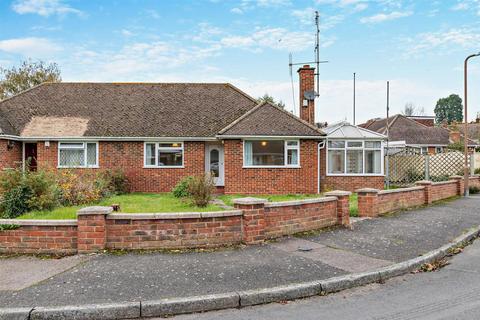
<point>304,249</point>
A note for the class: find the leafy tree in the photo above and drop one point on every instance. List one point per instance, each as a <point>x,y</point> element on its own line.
<point>411,110</point>
<point>449,109</point>
<point>28,75</point>
<point>268,98</point>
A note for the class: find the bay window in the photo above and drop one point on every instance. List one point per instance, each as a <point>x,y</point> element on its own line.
<point>78,154</point>
<point>164,154</point>
<point>271,153</point>
<point>354,157</point>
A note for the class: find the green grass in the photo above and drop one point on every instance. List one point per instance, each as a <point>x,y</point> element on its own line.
<point>228,198</point>
<point>354,205</point>
<point>129,203</point>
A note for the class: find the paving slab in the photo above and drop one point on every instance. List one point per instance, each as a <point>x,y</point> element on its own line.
<point>339,258</point>
<point>24,272</point>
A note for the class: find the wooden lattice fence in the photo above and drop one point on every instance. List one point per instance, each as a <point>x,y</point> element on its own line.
<point>405,169</point>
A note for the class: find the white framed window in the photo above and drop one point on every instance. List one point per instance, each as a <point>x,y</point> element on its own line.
<point>78,154</point>
<point>354,157</point>
<point>438,150</point>
<point>163,154</point>
<point>271,153</point>
<point>424,150</point>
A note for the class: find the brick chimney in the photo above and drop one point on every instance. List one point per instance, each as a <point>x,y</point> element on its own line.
<point>455,136</point>
<point>307,84</point>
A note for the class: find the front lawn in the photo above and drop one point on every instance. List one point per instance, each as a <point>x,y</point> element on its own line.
<point>129,203</point>
<point>228,198</point>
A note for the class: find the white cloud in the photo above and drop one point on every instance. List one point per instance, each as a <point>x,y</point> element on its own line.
<point>236,10</point>
<point>127,33</point>
<point>274,38</point>
<point>44,7</point>
<point>471,5</point>
<point>29,47</point>
<point>442,42</point>
<point>381,17</point>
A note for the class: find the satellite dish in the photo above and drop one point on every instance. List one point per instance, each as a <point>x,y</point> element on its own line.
<point>309,95</point>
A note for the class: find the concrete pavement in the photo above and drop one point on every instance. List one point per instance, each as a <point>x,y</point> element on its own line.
<point>138,277</point>
<point>450,293</point>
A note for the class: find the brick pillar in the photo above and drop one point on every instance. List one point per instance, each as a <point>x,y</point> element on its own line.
<point>253,223</point>
<point>92,234</point>
<point>367,202</point>
<point>460,184</point>
<point>343,206</point>
<point>427,191</point>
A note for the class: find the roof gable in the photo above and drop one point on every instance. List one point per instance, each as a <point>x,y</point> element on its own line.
<point>126,109</point>
<point>269,120</point>
<point>345,130</point>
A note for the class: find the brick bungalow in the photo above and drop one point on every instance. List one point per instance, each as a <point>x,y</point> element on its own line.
<point>416,132</point>
<point>158,133</point>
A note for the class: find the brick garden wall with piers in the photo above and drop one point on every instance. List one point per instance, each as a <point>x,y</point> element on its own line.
<point>373,202</point>
<point>97,228</point>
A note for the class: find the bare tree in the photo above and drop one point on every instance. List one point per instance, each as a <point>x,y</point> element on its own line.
<point>411,110</point>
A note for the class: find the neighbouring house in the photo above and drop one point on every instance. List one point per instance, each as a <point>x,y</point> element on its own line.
<point>158,133</point>
<point>416,132</point>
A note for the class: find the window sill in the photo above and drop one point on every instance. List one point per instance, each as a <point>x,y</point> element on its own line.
<point>90,167</point>
<point>271,167</point>
<point>164,167</point>
<point>355,175</point>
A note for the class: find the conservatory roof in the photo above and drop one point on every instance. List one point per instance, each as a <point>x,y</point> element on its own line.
<point>345,130</point>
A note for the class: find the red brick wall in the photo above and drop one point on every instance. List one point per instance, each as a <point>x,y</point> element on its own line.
<point>128,156</point>
<point>372,203</point>
<point>174,233</point>
<point>270,180</point>
<point>393,201</point>
<point>287,220</point>
<point>39,239</point>
<point>444,190</point>
<point>10,158</point>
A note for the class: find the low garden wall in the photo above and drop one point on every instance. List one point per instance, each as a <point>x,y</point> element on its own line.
<point>97,228</point>
<point>38,236</point>
<point>373,202</point>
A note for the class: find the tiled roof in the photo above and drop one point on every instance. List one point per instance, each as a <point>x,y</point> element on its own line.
<point>412,132</point>
<point>123,110</point>
<point>269,120</point>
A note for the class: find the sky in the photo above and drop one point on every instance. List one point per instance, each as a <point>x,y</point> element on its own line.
<point>419,46</point>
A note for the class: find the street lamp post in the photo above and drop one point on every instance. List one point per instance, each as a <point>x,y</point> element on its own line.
<point>465,135</point>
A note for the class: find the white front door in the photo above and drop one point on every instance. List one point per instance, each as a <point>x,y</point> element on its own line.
<point>214,163</point>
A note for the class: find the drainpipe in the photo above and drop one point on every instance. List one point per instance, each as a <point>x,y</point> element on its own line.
<point>321,145</point>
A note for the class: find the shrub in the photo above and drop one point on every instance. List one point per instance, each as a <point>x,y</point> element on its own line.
<point>116,180</point>
<point>477,171</point>
<point>201,189</point>
<point>181,188</point>
<point>79,189</point>
<point>474,190</point>
<point>25,191</point>
<point>15,202</point>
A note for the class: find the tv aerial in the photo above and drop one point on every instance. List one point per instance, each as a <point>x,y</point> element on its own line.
<point>309,95</point>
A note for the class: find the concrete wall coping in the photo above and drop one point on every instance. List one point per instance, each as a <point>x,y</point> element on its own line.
<point>249,201</point>
<point>94,210</point>
<point>299,202</point>
<point>52,223</point>
<point>367,190</point>
<point>424,182</point>
<point>338,193</point>
<point>401,190</point>
<point>174,215</point>
<point>456,177</point>
<point>444,182</point>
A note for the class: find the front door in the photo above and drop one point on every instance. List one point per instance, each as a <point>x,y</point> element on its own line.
<point>30,159</point>
<point>214,163</point>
